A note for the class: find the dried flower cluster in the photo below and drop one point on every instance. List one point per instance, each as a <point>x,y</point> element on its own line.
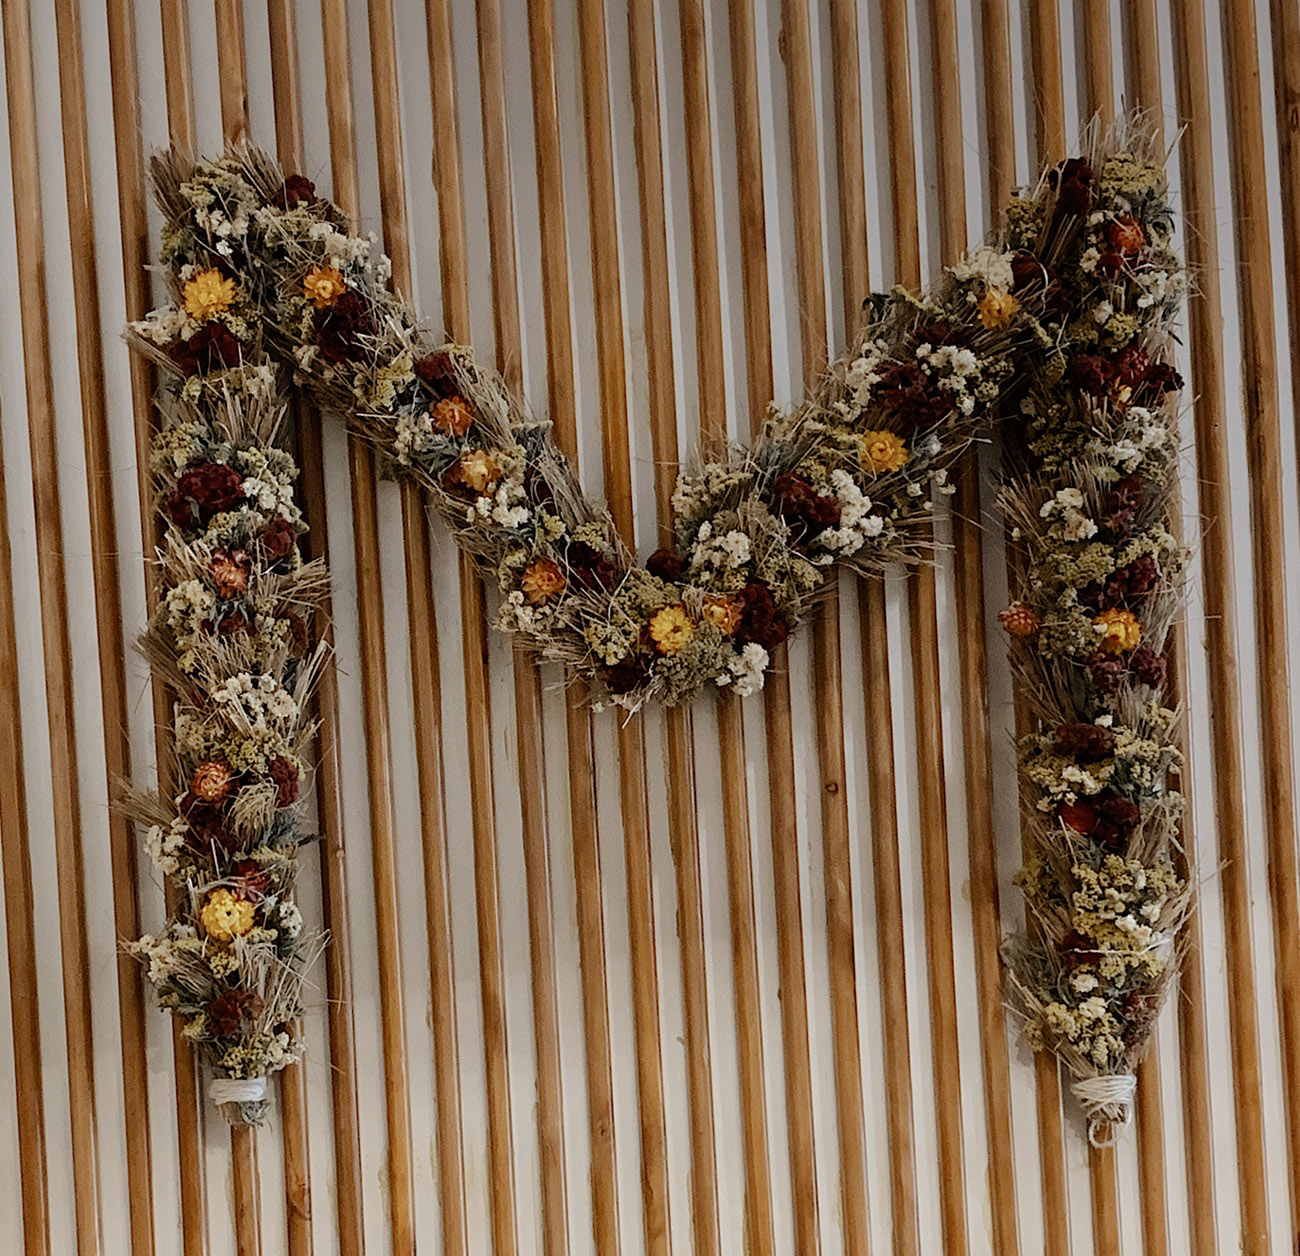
<point>264,264</point>
<point>1089,490</point>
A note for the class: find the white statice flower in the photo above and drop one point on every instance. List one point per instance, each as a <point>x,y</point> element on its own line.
<point>507,503</point>
<point>719,551</point>
<point>1101,313</point>
<point>412,435</point>
<point>290,919</point>
<point>745,671</point>
<point>165,326</point>
<point>863,373</point>
<point>1088,260</point>
<point>1093,1008</point>
<point>1066,508</point>
<point>256,702</point>
<point>988,263</point>
<point>857,523</point>
<point>162,842</point>
<point>517,614</point>
<point>187,604</point>
<point>1084,982</point>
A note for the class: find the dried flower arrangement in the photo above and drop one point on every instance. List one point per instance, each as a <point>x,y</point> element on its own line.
<point>1090,463</point>
<point>271,287</point>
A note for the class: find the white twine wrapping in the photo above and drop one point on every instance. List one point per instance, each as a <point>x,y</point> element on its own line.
<point>239,1099</point>
<point>1107,1102</point>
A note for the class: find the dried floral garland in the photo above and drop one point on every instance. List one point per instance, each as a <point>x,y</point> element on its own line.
<point>273,289</point>
<point>1091,462</point>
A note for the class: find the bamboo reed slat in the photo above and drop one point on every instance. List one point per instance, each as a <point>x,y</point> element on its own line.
<point>616,457</point>
<point>684,830</point>
<point>374,684</point>
<point>1263,450</point>
<point>56,642</point>
<point>562,408</point>
<point>1283,885</point>
<point>972,650</point>
<point>829,697</point>
<point>247,1201</point>
<point>527,677</point>
<point>1048,84</point>
<point>110,635</point>
<point>178,71</point>
<point>20,929</point>
<point>282,23</point>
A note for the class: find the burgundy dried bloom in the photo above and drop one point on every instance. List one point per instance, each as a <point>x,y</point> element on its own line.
<point>1076,949</point>
<point>1160,378</point>
<point>538,487</point>
<point>1131,365</point>
<point>627,675</point>
<point>284,776</point>
<point>590,568</point>
<point>1090,373</point>
<point>234,624</point>
<point>229,1011</point>
<point>299,636</point>
<point>1032,277</point>
<point>341,326</point>
<point>1121,504</point>
<point>666,564</point>
<point>1085,742</point>
<point>910,394</point>
<point>760,620</point>
<point>212,348</point>
<point>438,370</point>
<point>1072,181</point>
<point>203,491</point>
<point>1106,671</point>
<point>207,828</point>
<point>253,877</point>
<point>1125,587</point>
<point>937,332</point>
<point>279,539</point>
<point>1149,668</point>
<point>1110,264</point>
<point>801,506</point>
<point>297,190</point>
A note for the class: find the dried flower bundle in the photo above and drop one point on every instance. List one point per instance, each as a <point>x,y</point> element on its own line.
<point>1090,460</point>
<point>261,262</point>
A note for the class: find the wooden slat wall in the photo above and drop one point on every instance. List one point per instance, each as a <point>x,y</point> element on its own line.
<point>713,981</point>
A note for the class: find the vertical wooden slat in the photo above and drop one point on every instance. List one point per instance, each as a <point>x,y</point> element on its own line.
<point>56,643</point>
<point>969,606</point>
<point>1285,891</point>
<point>20,930</point>
<point>131,183</point>
<point>1049,98</point>
<point>578,728</point>
<point>282,24</point>
<point>923,592</point>
<point>108,617</point>
<point>1263,450</point>
<point>644,64</point>
<point>841,976</point>
<point>374,684</point>
<point>528,697</point>
<point>611,369</point>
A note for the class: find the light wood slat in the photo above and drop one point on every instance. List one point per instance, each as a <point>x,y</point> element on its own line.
<point>1264,456</point>
<point>1143,52</point>
<point>971,645</point>
<point>929,750</point>
<point>999,104</point>
<point>20,931</point>
<point>829,699</point>
<point>56,644</point>
<point>374,684</point>
<point>1045,39</point>
<point>177,71</point>
<point>616,457</point>
<point>684,826</point>
<point>1278,737</point>
<point>1049,89</point>
<point>180,113</point>
<point>232,73</point>
<point>778,725</point>
<point>110,635</point>
<point>282,24</point>
<point>1200,241</point>
<point>527,676</point>
<point>578,726</point>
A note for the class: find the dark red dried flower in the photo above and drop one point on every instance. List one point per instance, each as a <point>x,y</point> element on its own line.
<point>628,675</point>
<point>297,190</point>
<point>1121,504</point>
<point>590,568</point>
<point>1032,277</point>
<point>1110,264</point>
<point>666,564</point>
<point>1090,373</point>
<point>233,624</point>
<point>279,539</point>
<point>438,370</point>
<point>1149,668</point>
<point>1160,378</point>
<point>802,507</point>
<point>937,332</point>
<point>229,1011</point>
<point>1072,180</point>
<point>207,828</point>
<point>1085,742</point>
<point>1076,949</point>
<point>538,487</point>
<point>1106,671</point>
<point>212,348</point>
<point>1131,365</point>
<point>203,491</point>
<point>910,394</point>
<point>299,637</point>
<point>253,877</point>
<point>1125,587</point>
<point>284,776</point>
<point>760,620</point>
<point>341,326</point>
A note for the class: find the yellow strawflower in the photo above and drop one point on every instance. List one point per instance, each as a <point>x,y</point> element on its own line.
<point>1123,631</point>
<point>997,308</point>
<point>225,917</point>
<point>671,629</point>
<point>883,451</point>
<point>208,294</point>
<point>323,285</point>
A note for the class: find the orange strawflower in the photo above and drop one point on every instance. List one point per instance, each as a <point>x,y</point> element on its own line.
<point>230,572</point>
<point>882,451</point>
<point>1126,234</point>
<point>1122,632</point>
<point>208,294</point>
<point>1020,619</point>
<point>477,470</point>
<point>671,629</point>
<point>996,309</point>
<point>542,581</point>
<point>323,285</point>
<point>452,417</point>
<point>723,611</point>
<point>211,781</point>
